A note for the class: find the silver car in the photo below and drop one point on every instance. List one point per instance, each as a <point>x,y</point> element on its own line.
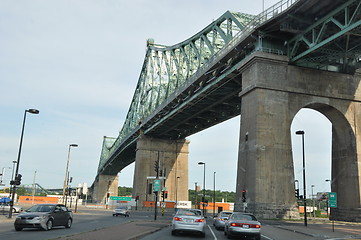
<point>219,220</point>
<point>242,224</point>
<point>44,216</point>
<point>121,211</point>
<point>189,220</point>
<point>5,207</point>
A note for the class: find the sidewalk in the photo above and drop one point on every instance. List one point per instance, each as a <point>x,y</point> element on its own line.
<point>128,231</point>
<point>322,228</point>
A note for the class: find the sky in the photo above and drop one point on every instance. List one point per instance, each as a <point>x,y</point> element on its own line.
<point>78,63</point>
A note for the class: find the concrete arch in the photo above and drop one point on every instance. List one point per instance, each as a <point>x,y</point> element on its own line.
<point>272,93</point>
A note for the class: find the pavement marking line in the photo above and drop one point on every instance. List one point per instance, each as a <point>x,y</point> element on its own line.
<point>266,237</point>
<point>215,238</point>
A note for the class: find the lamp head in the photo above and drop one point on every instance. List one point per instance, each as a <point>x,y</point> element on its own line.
<point>300,132</point>
<point>33,111</point>
<point>201,163</point>
<point>73,145</point>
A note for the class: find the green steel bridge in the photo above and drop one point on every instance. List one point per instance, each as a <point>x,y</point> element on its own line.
<point>193,85</point>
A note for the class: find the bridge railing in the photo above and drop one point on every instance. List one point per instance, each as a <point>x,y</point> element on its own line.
<point>260,19</point>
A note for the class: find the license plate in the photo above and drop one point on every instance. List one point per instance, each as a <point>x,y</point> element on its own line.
<point>188,220</point>
<point>245,226</point>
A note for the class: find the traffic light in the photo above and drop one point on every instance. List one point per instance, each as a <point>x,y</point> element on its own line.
<point>166,194</point>
<point>163,194</point>
<point>156,166</point>
<point>244,195</point>
<point>136,198</point>
<point>18,179</point>
<point>297,193</point>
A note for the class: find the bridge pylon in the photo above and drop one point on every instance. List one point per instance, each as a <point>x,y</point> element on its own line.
<point>172,158</point>
<point>272,94</point>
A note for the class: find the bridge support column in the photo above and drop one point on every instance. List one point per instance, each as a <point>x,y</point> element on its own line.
<point>265,177</point>
<point>105,186</point>
<point>173,164</point>
<point>272,93</point>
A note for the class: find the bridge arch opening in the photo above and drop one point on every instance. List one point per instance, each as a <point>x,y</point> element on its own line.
<point>318,138</point>
<point>330,153</point>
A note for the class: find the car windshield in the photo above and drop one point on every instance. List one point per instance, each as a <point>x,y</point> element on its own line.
<point>41,208</point>
<point>225,214</point>
<point>243,217</point>
<point>189,212</point>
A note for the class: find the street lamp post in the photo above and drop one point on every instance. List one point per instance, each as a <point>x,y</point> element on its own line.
<point>176,192</point>
<point>328,180</point>
<point>204,184</point>
<point>12,179</point>
<point>313,201</point>
<point>214,194</point>
<point>32,111</point>
<point>302,133</point>
<point>67,172</point>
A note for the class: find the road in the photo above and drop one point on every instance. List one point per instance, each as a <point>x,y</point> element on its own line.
<point>84,221</point>
<point>272,230</point>
<point>268,233</point>
<point>89,220</point>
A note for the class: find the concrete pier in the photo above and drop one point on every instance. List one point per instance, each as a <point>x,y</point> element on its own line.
<point>272,93</point>
<point>173,166</point>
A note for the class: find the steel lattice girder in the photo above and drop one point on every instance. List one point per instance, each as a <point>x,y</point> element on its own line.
<point>199,71</point>
<point>333,40</point>
<point>165,68</point>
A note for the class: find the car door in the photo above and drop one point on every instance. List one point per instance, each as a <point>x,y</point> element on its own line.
<point>59,216</point>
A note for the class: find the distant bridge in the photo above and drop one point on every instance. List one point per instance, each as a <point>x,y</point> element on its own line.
<point>198,83</point>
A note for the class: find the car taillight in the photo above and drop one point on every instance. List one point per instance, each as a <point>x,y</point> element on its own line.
<point>245,224</point>
<point>199,220</point>
<point>178,219</point>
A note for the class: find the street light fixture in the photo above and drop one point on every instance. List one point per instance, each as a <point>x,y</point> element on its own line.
<point>204,184</point>
<point>67,173</point>
<point>32,111</point>
<point>302,133</point>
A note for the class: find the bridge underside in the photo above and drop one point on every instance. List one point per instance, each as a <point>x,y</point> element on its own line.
<point>273,93</point>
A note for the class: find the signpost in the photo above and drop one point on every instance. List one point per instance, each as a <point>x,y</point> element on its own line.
<point>332,203</point>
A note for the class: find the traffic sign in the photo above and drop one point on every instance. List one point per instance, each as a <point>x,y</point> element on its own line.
<point>332,199</point>
<point>156,185</point>
<point>116,198</point>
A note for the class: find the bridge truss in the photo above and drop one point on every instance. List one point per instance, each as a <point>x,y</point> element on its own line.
<point>188,87</point>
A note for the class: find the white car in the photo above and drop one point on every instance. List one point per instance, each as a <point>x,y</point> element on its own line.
<point>189,220</point>
<point>242,224</point>
<point>121,211</point>
<point>5,207</point>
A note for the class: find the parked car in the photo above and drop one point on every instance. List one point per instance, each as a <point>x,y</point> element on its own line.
<point>189,220</point>
<point>242,224</point>
<point>123,210</point>
<point>5,207</point>
<point>44,216</point>
<point>219,220</point>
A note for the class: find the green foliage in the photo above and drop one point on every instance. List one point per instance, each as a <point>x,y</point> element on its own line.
<point>219,195</point>
<point>124,191</point>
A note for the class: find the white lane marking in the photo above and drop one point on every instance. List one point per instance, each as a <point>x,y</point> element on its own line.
<point>215,238</point>
<point>266,237</point>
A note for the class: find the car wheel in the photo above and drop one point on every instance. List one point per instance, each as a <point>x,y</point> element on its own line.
<point>17,228</point>
<point>203,234</point>
<point>68,224</point>
<point>14,210</point>
<point>49,225</point>
<point>174,233</point>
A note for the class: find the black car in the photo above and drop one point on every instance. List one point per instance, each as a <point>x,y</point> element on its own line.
<point>44,216</point>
